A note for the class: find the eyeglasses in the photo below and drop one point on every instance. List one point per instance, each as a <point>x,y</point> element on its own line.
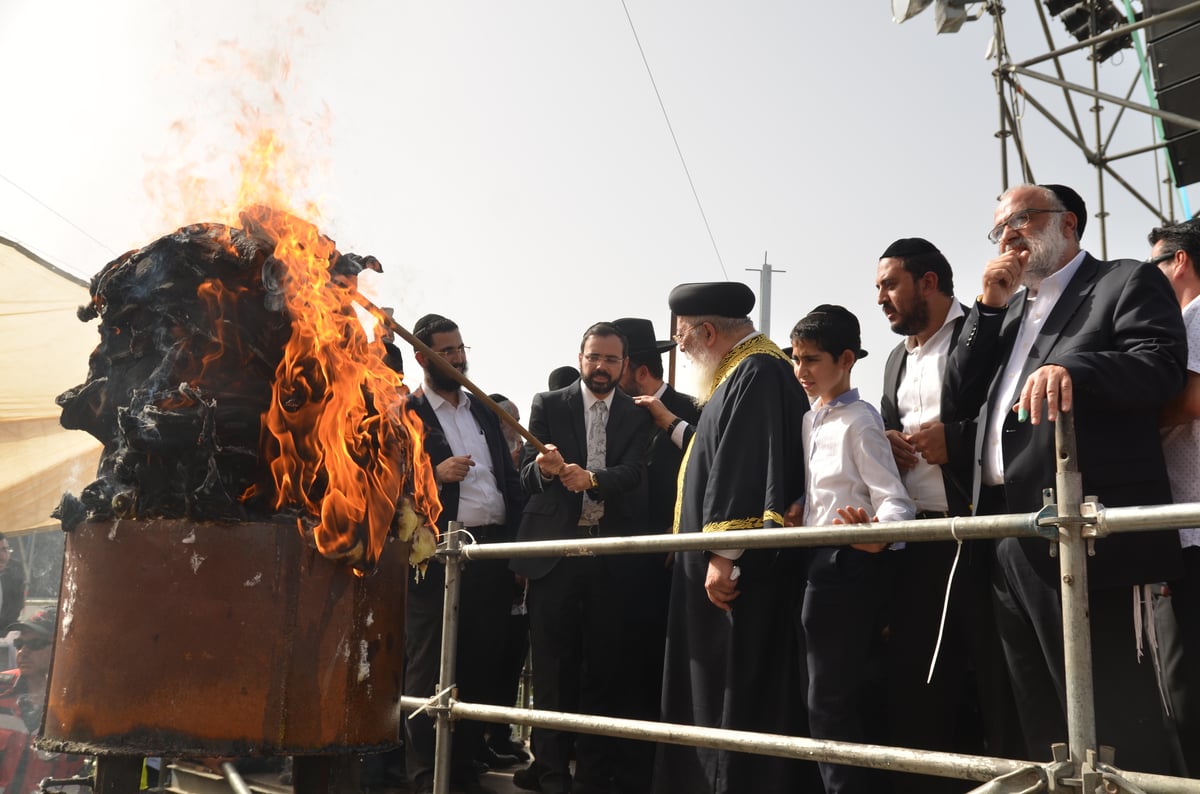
<point>33,645</point>
<point>1158,260</point>
<point>678,337</point>
<point>596,358</point>
<point>446,352</point>
<point>1018,220</point>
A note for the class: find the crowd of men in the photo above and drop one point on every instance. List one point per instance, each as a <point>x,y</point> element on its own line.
<point>837,642</point>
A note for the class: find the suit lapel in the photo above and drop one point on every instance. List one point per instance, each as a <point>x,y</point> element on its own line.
<point>1008,337</point>
<point>616,423</point>
<point>1076,291</point>
<point>575,412</point>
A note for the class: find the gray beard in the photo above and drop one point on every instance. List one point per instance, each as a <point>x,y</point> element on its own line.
<point>1046,251</point>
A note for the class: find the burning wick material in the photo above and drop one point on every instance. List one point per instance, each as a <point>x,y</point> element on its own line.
<point>233,382</point>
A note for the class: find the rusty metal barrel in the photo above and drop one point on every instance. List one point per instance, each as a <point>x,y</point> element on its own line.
<point>210,639</point>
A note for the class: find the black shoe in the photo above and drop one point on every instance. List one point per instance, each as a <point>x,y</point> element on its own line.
<point>496,760</point>
<point>528,778</point>
<point>502,745</point>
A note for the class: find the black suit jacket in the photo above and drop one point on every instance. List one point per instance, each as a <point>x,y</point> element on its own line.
<point>1118,331</point>
<point>958,472</point>
<point>665,457</point>
<point>552,512</point>
<point>505,473</point>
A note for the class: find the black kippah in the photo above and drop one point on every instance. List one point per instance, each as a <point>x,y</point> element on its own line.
<point>425,321</point>
<point>909,246</point>
<point>1074,204</point>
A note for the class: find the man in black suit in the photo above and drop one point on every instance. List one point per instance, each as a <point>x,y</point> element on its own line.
<point>1056,329</point>
<point>591,482</point>
<point>477,485</point>
<point>647,588</point>
<point>915,288</point>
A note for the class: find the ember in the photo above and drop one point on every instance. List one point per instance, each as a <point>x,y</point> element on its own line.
<point>234,382</point>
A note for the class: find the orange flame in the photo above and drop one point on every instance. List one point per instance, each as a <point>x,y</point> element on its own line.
<point>340,444</point>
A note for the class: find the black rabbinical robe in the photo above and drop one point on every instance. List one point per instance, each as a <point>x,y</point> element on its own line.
<point>741,670</point>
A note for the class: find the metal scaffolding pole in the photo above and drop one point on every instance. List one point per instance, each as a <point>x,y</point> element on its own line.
<point>452,557</point>
<point>1078,765</point>
<point>1077,635</point>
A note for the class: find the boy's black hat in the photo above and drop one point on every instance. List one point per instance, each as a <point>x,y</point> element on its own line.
<point>839,323</point>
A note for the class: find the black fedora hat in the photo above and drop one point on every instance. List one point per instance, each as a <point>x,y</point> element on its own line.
<point>640,335</point>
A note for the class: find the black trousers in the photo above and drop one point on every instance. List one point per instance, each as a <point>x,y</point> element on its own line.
<point>485,602</point>
<point>968,705</point>
<point>1180,636</point>
<point>575,632</point>
<point>842,618</point>
<point>644,582</point>
<point>1129,712</point>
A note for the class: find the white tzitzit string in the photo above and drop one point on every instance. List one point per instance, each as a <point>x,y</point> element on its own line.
<point>946,603</point>
<point>1144,624</point>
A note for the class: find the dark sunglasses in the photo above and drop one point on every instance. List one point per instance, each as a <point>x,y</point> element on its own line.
<point>33,645</point>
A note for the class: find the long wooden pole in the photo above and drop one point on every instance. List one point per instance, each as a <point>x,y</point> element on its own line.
<point>447,368</point>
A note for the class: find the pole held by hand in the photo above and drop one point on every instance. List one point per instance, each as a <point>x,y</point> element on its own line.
<point>447,368</point>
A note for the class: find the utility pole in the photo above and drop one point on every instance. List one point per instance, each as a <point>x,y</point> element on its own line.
<point>764,294</point>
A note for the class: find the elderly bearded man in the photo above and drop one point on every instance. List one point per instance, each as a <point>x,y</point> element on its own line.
<point>1056,329</point>
<point>733,658</point>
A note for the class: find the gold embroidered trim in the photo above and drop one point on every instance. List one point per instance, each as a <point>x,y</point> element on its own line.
<point>745,523</point>
<point>758,344</point>
<point>687,453</point>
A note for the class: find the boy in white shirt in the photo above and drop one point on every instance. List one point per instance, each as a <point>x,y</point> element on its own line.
<point>851,477</point>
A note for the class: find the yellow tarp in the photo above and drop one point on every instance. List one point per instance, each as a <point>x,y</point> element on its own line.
<point>44,351</point>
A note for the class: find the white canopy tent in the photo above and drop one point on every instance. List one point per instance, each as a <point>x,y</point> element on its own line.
<point>44,351</point>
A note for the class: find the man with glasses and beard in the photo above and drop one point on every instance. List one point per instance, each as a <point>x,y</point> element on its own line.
<point>733,656</point>
<point>590,482</point>
<point>1055,330</point>
<point>477,485</point>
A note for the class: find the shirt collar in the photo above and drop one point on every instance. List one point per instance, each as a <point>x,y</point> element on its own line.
<point>590,399</point>
<point>1058,280</point>
<point>845,398</point>
<point>955,311</point>
<point>436,401</point>
<point>661,390</point>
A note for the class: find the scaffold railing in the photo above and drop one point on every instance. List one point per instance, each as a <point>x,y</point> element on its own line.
<point>1069,518</point>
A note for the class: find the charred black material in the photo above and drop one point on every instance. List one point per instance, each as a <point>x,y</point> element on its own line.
<point>192,329</point>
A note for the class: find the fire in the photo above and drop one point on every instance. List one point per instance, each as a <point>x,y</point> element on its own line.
<point>341,446</point>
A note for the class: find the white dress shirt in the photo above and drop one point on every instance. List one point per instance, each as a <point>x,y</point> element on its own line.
<point>1037,310</point>
<point>480,502</point>
<point>849,463</point>
<point>1181,443</point>
<point>919,400</point>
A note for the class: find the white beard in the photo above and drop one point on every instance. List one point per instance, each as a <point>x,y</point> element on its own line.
<point>701,368</point>
<point>1046,251</point>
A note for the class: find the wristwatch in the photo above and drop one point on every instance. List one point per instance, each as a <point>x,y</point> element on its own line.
<point>594,483</point>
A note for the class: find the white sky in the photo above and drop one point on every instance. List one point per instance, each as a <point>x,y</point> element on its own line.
<point>508,161</point>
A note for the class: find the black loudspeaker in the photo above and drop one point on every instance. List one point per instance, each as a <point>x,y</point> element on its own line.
<point>1176,71</point>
